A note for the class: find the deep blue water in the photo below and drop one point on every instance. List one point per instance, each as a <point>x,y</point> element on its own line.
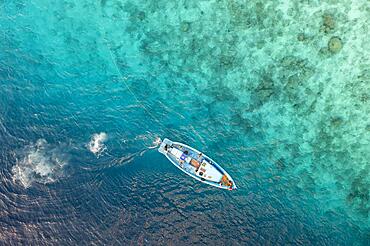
<point>86,88</point>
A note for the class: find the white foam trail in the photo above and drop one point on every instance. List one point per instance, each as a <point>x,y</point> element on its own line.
<point>96,144</point>
<point>118,161</point>
<point>157,141</point>
<point>39,163</point>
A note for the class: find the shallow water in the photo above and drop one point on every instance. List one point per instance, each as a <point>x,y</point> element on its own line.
<point>276,92</point>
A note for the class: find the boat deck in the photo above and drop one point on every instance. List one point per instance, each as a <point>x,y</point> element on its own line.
<point>196,164</point>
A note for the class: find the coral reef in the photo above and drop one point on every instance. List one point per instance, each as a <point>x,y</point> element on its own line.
<point>334,45</point>
<point>247,56</point>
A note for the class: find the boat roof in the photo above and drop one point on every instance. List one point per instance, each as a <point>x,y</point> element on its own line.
<point>177,153</point>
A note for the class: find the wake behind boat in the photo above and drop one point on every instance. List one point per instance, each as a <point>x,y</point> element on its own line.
<point>196,164</point>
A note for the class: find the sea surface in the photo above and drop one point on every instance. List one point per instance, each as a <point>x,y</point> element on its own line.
<point>278,92</point>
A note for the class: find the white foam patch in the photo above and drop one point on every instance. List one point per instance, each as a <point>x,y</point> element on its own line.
<point>96,144</point>
<point>40,162</point>
<point>157,141</point>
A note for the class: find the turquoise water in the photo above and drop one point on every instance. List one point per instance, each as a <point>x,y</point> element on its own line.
<point>277,92</point>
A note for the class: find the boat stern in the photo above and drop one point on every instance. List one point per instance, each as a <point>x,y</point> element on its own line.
<point>163,147</point>
<point>233,187</point>
<point>227,182</point>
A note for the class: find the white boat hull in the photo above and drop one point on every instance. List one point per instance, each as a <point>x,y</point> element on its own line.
<point>196,164</point>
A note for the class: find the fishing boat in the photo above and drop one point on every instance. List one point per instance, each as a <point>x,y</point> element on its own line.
<point>196,164</point>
